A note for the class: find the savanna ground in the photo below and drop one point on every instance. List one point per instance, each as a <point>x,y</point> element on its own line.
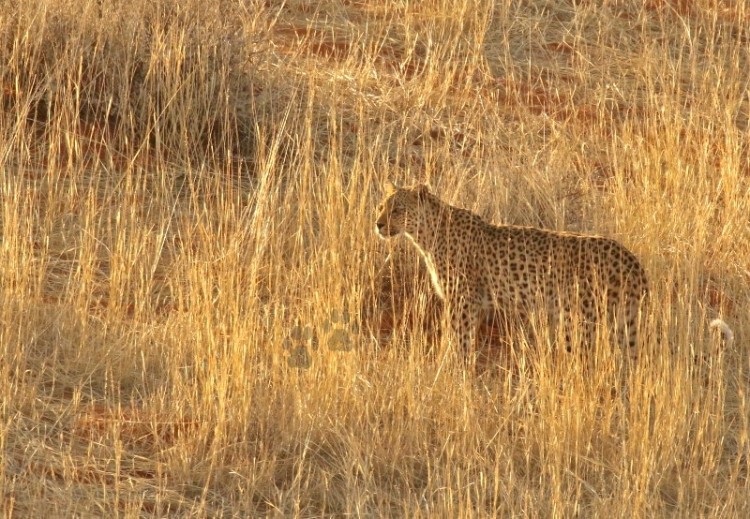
<point>197,319</point>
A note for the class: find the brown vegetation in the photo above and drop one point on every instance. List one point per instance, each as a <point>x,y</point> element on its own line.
<point>186,245</point>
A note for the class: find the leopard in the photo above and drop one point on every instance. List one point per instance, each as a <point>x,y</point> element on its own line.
<point>476,268</point>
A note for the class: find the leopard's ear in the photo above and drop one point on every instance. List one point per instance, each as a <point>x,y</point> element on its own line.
<point>390,187</point>
<point>423,191</point>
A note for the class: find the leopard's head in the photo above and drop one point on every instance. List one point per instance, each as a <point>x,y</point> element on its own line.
<point>402,209</point>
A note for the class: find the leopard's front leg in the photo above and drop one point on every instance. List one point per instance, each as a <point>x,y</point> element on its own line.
<point>463,320</point>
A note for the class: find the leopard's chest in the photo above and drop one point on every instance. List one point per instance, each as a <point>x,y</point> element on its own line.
<point>445,265</point>
<point>435,276</point>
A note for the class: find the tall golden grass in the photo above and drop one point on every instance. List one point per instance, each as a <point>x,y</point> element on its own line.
<point>197,319</point>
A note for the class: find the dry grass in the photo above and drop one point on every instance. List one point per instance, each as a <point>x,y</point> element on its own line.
<point>188,195</point>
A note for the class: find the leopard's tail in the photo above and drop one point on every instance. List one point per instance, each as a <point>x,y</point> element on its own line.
<point>727,335</point>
